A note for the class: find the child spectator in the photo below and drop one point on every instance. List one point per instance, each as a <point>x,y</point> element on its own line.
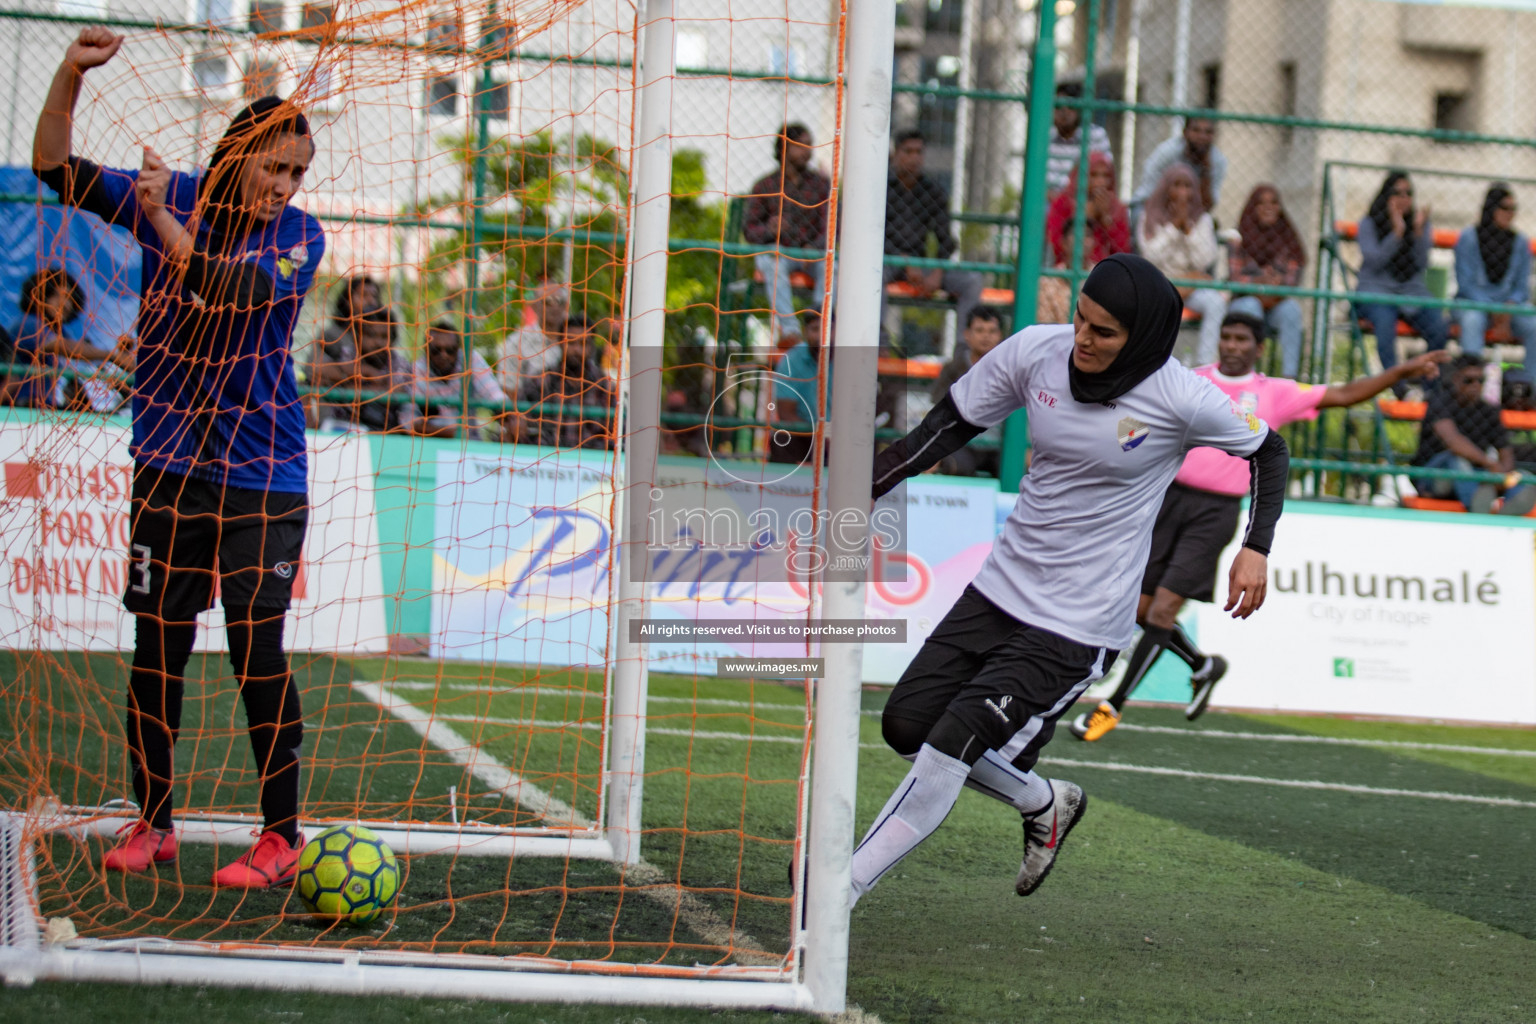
<point>1270,252</point>
<point>1493,264</point>
<point>1106,231</point>
<point>983,333</point>
<point>50,300</point>
<point>1177,236</point>
<point>1394,253</point>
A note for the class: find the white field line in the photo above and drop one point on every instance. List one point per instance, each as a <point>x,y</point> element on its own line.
<point>1338,787</point>
<point>1496,801</point>
<point>1340,741</point>
<point>654,884</point>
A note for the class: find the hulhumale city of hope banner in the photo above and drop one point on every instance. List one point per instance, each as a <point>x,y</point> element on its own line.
<point>524,559</point>
<point>1385,612</point>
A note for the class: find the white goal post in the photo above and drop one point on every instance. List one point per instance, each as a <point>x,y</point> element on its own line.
<point>813,976</point>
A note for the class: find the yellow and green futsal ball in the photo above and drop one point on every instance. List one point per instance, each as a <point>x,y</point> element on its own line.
<point>347,873</point>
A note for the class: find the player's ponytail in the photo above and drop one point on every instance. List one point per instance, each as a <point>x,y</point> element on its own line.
<point>218,193</point>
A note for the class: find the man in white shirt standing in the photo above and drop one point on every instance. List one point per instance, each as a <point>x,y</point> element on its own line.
<point>1111,416</point>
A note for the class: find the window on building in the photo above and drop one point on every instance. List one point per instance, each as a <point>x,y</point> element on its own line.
<point>445,31</point>
<point>944,16</point>
<point>1453,112</point>
<point>214,12</point>
<point>211,69</point>
<point>443,96</point>
<point>261,79</point>
<point>317,15</point>
<point>265,16</point>
<point>1211,99</point>
<point>494,100</point>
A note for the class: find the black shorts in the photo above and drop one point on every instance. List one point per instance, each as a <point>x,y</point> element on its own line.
<point>1006,680</point>
<point>1193,528</point>
<point>185,533</point>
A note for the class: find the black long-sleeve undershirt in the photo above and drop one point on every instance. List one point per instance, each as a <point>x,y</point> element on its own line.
<point>220,281</point>
<point>1269,467</point>
<point>942,432</point>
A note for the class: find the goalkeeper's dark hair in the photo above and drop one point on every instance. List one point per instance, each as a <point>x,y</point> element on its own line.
<point>218,192</point>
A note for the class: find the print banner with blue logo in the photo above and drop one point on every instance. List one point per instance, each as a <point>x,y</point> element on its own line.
<point>524,559</point>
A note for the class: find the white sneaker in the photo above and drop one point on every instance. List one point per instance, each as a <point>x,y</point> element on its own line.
<point>1046,831</point>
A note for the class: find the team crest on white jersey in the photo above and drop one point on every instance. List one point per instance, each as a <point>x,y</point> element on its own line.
<point>1248,401</point>
<point>1132,432</point>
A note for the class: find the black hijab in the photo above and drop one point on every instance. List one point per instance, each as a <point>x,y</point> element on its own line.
<point>1403,264</point>
<point>218,193</point>
<point>1496,244</point>
<point>1137,294</point>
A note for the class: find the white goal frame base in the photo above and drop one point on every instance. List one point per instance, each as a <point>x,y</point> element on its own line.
<point>26,956</point>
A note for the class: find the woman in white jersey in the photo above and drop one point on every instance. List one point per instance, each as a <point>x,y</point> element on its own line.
<point>1111,416</point>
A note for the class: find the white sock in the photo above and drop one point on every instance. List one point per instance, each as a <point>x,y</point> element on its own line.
<point>1025,792</point>
<point>917,807</point>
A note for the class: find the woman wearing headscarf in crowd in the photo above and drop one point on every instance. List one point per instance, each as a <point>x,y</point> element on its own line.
<point>1110,417</point>
<point>1394,241</point>
<point>1106,231</point>
<point>1493,264</point>
<point>1179,238</point>
<point>1270,252</point>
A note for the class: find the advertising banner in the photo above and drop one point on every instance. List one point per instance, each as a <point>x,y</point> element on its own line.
<point>524,557</point>
<point>1386,613</point>
<point>64,525</point>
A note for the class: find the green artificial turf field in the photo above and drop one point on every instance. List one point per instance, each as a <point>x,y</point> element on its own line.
<point>1244,868</point>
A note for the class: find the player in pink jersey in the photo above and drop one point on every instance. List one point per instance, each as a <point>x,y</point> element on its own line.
<point>1200,511</point>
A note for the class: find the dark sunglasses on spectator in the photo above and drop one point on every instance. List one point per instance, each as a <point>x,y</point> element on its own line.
<point>442,348</point>
<point>1472,378</point>
<point>1402,191</point>
<point>1511,207</point>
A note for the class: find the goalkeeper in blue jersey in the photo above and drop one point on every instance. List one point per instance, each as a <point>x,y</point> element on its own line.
<point>220,476</point>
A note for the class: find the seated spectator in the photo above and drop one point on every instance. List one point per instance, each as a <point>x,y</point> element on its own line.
<point>1493,264</point>
<point>1106,231</point>
<point>1270,252</point>
<point>1196,149</point>
<point>576,383</point>
<point>440,378</point>
<point>916,209</point>
<point>796,395</point>
<point>983,333</point>
<point>787,208</point>
<point>357,293</point>
<point>50,300</point>
<point>1066,142</point>
<point>1394,241</point>
<point>1178,236</point>
<point>379,368</point>
<point>1462,431</point>
<point>535,347</point>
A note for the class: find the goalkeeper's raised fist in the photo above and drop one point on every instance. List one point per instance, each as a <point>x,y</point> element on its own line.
<point>93,47</point>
